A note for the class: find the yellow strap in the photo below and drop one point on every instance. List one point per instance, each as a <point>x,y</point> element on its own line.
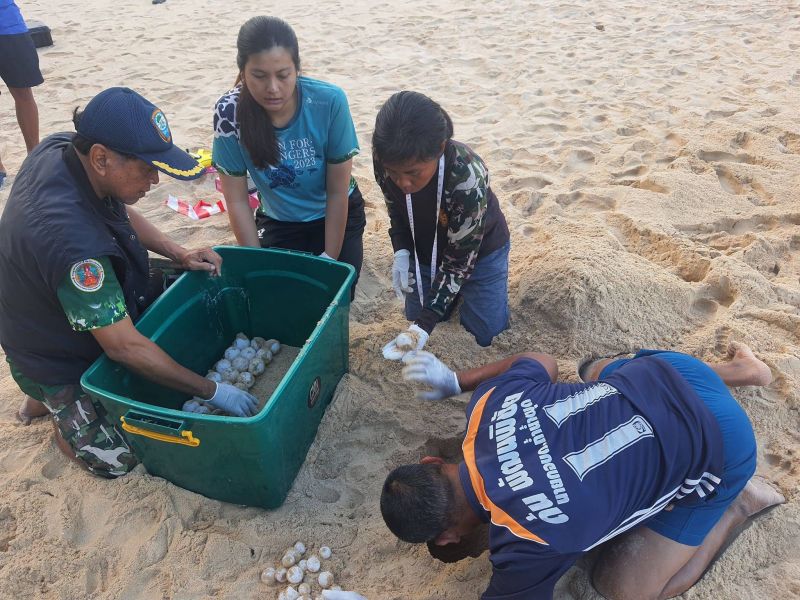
<point>186,439</point>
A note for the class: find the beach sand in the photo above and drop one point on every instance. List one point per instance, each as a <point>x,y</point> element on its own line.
<point>647,157</point>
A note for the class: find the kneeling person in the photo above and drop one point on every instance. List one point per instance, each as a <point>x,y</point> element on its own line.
<point>652,453</point>
<point>74,271</point>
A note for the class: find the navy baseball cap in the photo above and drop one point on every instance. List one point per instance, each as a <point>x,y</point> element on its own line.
<point>126,122</point>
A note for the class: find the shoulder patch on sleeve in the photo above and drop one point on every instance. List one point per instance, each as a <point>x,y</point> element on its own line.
<point>87,275</point>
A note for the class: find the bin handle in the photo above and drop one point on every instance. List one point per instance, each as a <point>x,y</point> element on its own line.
<point>184,439</point>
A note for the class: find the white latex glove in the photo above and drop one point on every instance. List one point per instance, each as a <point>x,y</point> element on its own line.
<point>414,338</point>
<point>400,274</point>
<point>425,368</point>
<point>232,400</point>
<point>325,255</point>
<point>341,595</point>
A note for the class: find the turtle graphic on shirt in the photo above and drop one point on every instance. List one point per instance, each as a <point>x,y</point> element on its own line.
<point>282,175</point>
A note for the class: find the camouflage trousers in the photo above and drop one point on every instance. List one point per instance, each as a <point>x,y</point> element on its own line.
<point>84,426</point>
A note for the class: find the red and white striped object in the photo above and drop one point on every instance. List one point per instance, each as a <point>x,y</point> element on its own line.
<point>201,210</point>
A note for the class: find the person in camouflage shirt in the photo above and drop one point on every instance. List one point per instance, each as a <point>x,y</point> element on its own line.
<point>449,236</point>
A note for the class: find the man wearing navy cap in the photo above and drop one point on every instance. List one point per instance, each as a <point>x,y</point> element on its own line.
<point>650,457</point>
<point>74,272</point>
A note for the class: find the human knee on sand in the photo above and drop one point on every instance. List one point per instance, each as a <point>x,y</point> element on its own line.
<point>651,460</point>
<point>74,271</point>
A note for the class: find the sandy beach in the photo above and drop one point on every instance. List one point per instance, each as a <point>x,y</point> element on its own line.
<point>647,157</point>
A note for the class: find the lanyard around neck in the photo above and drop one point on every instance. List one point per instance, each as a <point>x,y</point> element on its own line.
<point>434,251</point>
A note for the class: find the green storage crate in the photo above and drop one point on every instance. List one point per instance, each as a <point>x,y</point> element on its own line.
<point>299,299</point>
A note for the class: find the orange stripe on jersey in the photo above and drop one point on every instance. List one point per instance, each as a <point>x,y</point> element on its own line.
<point>498,515</point>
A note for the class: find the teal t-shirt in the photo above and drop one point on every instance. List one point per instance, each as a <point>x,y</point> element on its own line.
<point>321,132</point>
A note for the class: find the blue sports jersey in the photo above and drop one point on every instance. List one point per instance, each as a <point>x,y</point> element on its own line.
<point>320,133</point>
<point>561,468</point>
<point>11,21</point>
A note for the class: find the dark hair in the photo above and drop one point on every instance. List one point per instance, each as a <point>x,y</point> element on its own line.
<point>255,127</point>
<point>82,144</point>
<point>410,126</point>
<point>417,502</point>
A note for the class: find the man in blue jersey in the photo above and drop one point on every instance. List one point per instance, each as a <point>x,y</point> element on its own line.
<point>651,452</point>
<point>19,70</point>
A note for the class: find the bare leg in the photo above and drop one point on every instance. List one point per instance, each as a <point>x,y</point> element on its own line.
<point>743,368</point>
<point>27,115</point>
<point>644,565</point>
<point>30,409</point>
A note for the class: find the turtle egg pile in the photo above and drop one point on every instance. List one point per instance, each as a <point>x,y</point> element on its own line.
<point>301,574</point>
<point>243,361</point>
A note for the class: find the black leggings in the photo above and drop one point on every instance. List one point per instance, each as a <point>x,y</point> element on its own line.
<point>310,236</point>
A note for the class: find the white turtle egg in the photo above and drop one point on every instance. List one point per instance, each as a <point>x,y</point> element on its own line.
<point>303,564</point>
<point>268,576</point>
<point>229,375</point>
<point>280,575</point>
<point>325,552</point>
<point>325,579</point>
<point>240,363</point>
<point>294,574</point>
<point>273,346</point>
<point>405,342</point>
<point>241,336</point>
<point>231,353</point>
<point>257,342</point>
<point>289,559</point>
<point>264,355</point>
<point>304,589</point>
<point>241,344</point>
<point>256,366</point>
<point>214,376</point>
<point>312,564</point>
<point>222,364</point>
<point>248,353</point>
<point>291,593</point>
<point>300,547</point>
<point>246,379</point>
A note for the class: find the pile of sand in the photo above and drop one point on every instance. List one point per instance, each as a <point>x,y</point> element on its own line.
<point>647,158</point>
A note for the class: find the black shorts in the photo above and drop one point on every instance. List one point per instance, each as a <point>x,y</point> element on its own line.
<point>19,62</point>
<point>310,236</point>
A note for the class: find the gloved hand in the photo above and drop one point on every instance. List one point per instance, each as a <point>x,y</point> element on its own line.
<point>232,400</point>
<point>400,274</point>
<point>341,595</point>
<point>414,338</point>
<point>425,368</point>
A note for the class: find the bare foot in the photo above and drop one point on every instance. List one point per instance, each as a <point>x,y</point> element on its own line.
<point>30,409</point>
<point>751,370</point>
<point>758,495</point>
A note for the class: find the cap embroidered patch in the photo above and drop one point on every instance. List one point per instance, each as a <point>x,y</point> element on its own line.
<point>159,119</point>
<point>87,275</point>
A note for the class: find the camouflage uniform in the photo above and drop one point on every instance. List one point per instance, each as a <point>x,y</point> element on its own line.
<point>469,208</point>
<point>91,298</point>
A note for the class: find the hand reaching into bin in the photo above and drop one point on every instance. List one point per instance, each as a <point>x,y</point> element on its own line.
<point>232,400</point>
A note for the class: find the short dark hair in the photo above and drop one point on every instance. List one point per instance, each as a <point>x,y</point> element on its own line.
<point>255,127</point>
<point>417,502</point>
<point>81,143</point>
<point>410,126</point>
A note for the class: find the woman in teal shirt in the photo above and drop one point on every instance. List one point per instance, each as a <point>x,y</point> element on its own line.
<point>295,137</point>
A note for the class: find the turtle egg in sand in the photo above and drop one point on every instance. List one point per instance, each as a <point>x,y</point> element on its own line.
<point>325,552</point>
<point>268,576</point>
<point>280,575</point>
<point>300,548</point>
<point>231,353</point>
<point>246,379</point>
<point>325,579</point>
<point>256,366</point>
<point>222,364</point>
<point>294,574</point>
<point>312,564</point>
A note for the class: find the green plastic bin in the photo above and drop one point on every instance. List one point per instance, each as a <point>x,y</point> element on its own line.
<point>297,298</point>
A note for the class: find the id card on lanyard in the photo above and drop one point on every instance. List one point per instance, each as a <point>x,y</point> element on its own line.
<point>439,190</point>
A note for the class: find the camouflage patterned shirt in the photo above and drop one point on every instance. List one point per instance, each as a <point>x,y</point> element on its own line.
<point>91,295</point>
<point>470,225</point>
